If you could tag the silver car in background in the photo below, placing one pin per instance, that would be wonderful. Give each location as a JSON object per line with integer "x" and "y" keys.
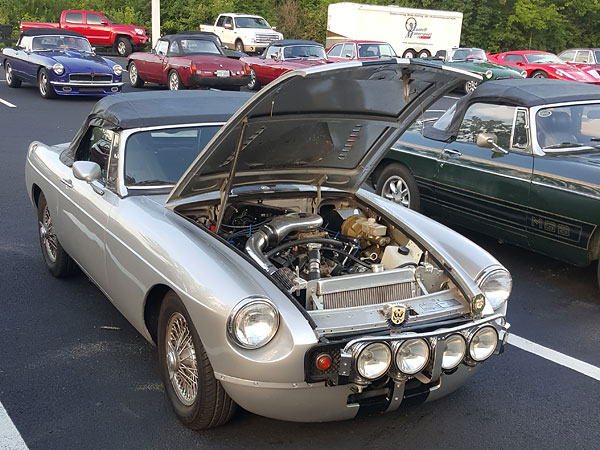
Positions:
{"x": 264, "y": 274}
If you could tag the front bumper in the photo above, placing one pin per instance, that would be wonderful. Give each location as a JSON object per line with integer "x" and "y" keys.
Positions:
{"x": 196, "y": 80}
{"x": 347, "y": 396}
{"x": 73, "y": 88}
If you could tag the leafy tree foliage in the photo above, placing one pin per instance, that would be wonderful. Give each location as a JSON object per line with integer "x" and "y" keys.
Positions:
{"x": 495, "y": 25}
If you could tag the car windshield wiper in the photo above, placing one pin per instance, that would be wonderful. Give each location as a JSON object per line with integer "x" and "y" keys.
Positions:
{"x": 595, "y": 139}
{"x": 563, "y": 145}
{"x": 151, "y": 183}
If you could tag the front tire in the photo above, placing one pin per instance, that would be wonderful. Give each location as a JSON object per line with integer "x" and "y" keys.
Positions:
{"x": 57, "y": 260}
{"x": 470, "y": 86}
{"x": 134, "y": 77}
{"x": 46, "y": 89}
{"x": 539, "y": 74}
{"x": 11, "y": 79}
{"x": 253, "y": 84}
{"x": 196, "y": 396}
{"x": 123, "y": 46}
{"x": 396, "y": 183}
{"x": 175, "y": 83}
{"x": 239, "y": 46}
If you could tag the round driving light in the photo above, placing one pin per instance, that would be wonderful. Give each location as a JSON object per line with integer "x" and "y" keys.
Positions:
{"x": 323, "y": 361}
{"x": 412, "y": 356}
{"x": 483, "y": 344}
{"x": 455, "y": 348}
{"x": 496, "y": 286}
{"x": 58, "y": 68}
{"x": 253, "y": 323}
{"x": 118, "y": 70}
{"x": 489, "y": 74}
{"x": 374, "y": 360}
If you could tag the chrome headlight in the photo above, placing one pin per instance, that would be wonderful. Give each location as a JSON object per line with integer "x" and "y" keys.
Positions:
{"x": 139, "y": 31}
{"x": 374, "y": 360}
{"x": 496, "y": 286}
{"x": 455, "y": 348}
{"x": 412, "y": 356}
{"x": 489, "y": 74}
{"x": 253, "y": 322}
{"x": 118, "y": 70}
{"x": 58, "y": 68}
{"x": 483, "y": 343}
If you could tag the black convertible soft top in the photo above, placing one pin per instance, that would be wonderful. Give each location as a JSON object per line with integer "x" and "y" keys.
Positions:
{"x": 526, "y": 92}
{"x": 286, "y": 42}
{"x": 158, "y": 108}
{"x": 50, "y": 32}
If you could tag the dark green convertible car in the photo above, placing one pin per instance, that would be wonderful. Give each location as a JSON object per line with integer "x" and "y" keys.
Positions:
{"x": 517, "y": 159}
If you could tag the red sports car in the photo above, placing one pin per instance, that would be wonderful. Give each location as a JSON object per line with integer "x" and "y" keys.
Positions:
{"x": 283, "y": 56}
{"x": 362, "y": 50}
{"x": 180, "y": 61}
{"x": 543, "y": 65}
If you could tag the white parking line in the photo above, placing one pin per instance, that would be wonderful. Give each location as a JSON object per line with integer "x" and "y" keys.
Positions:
{"x": 10, "y": 438}
{"x": 554, "y": 356}
{"x": 9, "y": 104}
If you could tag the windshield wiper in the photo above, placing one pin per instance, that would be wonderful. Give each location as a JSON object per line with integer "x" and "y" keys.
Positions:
{"x": 595, "y": 139}
{"x": 563, "y": 145}
{"x": 151, "y": 183}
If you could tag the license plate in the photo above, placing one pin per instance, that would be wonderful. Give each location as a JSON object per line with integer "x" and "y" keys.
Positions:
{"x": 222, "y": 73}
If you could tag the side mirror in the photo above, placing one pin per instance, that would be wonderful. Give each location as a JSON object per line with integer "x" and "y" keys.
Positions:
{"x": 104, "y": 22}
{"x": 94, "y": 49}
{"x": 519, "y": 63}
{"x": 228, "y": 26}
{"x": 274, "y": 56}
{"x": 489, "y": 140}
{"x": 89, "y": 172}
{"x": 274, "y": 28}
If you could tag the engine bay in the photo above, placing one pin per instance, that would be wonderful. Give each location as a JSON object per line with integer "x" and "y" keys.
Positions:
{"x": 328, "y": 254}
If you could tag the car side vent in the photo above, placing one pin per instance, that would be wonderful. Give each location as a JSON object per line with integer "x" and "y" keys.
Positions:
{"x": 350, "y": 142}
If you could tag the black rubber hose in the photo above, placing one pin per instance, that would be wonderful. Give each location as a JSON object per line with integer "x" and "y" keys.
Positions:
{"x": 289, "y": 244}
{"x": 353, "y": 258}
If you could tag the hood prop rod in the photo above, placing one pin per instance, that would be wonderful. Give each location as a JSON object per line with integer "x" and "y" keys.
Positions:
{"x": 225, "y": 192}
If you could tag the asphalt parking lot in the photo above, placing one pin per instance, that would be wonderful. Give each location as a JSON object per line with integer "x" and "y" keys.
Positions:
{"x": 74, "y": 374}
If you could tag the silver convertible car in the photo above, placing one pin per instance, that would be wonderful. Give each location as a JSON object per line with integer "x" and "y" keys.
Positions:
{"x": 240, "y": 242}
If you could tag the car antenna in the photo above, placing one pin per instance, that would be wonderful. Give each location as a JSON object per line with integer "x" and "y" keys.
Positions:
{"x": 229, "y": 180}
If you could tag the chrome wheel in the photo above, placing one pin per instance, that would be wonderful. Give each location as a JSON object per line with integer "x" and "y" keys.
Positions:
{"x": 121, "y": 48}
{"x": 48, "y": 236}
{"x": 9, "y": 75}
{"x": 396, "y": 189}
{"x": 470, "y": 86}
{"x": 174, "y": 83}
{"x": 181, "y": 359}
{"x": 539, "y": 74}
{"x": 252, "y": 82}
{"x": 43, "y": 84}
{"x": 133, "y": 74}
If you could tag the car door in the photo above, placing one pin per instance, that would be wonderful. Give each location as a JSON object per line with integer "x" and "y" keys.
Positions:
{"x": 227, "y": 32}
{"x": 86, "y": 209}
{"x": 153, "y": 65}
{"x": 487, "y": 189}
{"x": 19, "y": 61}
{"x": 98, "y": 30}
{"x": 74, "y": 22}
{"x": 270, "y": 66}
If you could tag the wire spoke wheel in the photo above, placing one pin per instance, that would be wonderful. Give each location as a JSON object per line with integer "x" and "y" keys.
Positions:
{"x": 48, "y": 236}
{"x": 181, "y": 359}
{"x": 470, "y": 86}
{"x": 396, "y": 189}
{"x": 133, "y": 74}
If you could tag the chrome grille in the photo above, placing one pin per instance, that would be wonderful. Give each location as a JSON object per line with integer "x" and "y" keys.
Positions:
{"x": 371, "y": 295}
{"x": 91, "y": 77}
{"x": 265, "y": 38}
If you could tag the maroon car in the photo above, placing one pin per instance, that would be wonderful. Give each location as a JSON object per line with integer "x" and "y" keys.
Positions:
{"x": 181, "y": 61}
{"x": 283, "y": 56}
{"x": 361, "y": 50}
{"x": 582, "y": 57}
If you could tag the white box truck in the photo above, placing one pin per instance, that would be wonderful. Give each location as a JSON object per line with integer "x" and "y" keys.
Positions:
{"x": 412, "y": 32}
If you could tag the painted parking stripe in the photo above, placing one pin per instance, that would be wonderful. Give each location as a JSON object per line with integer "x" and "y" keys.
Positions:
{"x": 556, "y": 357}
{"x": 9, "y": 104}
{"x": 10, "y": 438}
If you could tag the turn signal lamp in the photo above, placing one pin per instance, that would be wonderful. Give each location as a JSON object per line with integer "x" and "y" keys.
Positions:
{"x": 323, "y": 361}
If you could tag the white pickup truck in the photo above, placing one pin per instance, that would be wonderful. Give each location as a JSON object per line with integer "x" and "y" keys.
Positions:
{"x": 243, "y": 32}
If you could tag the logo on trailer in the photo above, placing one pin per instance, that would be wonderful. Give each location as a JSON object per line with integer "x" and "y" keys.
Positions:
{"x": 411, "y": 26}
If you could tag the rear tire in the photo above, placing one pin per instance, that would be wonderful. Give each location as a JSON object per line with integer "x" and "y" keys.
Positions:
{"x": 397, "y": 184}
{"x": 44, "y": 86}
{"x": 200, "y": 405}
{"x": 11, "y": 79}
{"x": 57, "y": 260}
{"x": 134, "y": 77}
{"x": 253, "y": 84}
{"x": 538, "y": 74}
{"x": 123, "y": 46}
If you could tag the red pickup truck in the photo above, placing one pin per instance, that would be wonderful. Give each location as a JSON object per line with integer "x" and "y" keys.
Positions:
{"x": 100, "y": 30}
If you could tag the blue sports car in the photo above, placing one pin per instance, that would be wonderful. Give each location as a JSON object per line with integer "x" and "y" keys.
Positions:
{"x": 61, "y": 62}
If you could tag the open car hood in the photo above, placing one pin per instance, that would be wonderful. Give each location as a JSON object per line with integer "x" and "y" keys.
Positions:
{"x": 328, "y": 125}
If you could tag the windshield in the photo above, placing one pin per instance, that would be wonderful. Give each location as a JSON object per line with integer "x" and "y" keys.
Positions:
{"x": 251, "y": 22}
{"x": 467, "y": 54}
{"x": 575, "y": 127}
{"x": 197, "y": 46}
{"x": 304, "y": 51}
{"x": 160, "y": 157}
{"x": 597, "y": 53}
{"x": 111, "y": 20}
{"x": 60, "y": 43}
{"x": 543, "y": 58}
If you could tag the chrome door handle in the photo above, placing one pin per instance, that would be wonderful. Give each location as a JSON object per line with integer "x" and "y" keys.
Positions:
{"x": 451, "y": 151}
{"x": 68, "y": 183}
